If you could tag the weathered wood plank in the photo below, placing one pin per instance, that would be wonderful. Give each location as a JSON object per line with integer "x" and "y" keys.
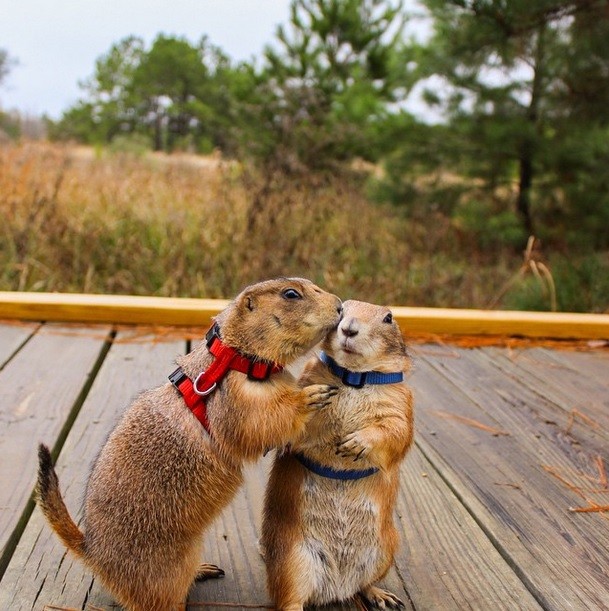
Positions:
{"x": 485, "y": 498}
{"x": 132, "y": 309}
{"x": 12, "y": 336}
{"x": 39, "y": 389}
{"x": 522, "y": 508}
{"x": 232, "y": 543}
{"x": 593, "y": 365}
{"x": 117, "y": 309}
{"x": 431, "y": 518}
{"x": 446, "y": 561}
{"x": 579, "y": 403}
{"x": 40, "y": 571}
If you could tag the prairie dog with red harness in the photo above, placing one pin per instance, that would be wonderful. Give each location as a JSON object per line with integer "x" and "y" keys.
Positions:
{"x": 328, "y": 532}
{"x": 174, "y": 460}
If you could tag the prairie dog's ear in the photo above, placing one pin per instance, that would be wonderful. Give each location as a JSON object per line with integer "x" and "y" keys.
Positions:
{"x": 246, "y": 303}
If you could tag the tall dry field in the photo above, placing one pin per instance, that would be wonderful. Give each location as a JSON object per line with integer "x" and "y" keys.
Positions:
{"x": 75, "y": 221}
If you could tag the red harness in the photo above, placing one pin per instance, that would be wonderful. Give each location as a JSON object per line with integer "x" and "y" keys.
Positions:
{"x": 227, "y": 358}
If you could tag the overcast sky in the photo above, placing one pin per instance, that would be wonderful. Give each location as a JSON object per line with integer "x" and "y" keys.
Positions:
{"x": 56, "y": 42}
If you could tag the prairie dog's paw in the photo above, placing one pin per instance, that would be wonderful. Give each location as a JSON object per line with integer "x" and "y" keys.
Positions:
{"x": 319, "y": 395}
{"x": 208, "y": 571}
{"x": 355, "y": 444}
{"x": 377, "y": 598}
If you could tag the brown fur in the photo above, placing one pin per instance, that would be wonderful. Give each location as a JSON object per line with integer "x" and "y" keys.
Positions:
{"x": 326, "y": 540}
{"x": 160, "y": 479}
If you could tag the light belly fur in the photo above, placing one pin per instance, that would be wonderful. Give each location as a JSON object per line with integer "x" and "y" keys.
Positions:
{"x": 340, "y": 543}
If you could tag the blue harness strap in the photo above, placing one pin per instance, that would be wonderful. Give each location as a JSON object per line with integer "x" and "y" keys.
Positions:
{"x": 357, "y": 379}
{"x": 329, "y": 472}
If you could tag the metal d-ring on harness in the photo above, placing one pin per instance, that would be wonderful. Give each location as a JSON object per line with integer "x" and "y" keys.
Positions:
{"x": 203, "y": 393}
{"x": 226, "y": 358}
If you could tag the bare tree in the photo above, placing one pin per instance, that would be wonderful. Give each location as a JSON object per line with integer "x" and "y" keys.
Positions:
{"x": 6, "y": 63}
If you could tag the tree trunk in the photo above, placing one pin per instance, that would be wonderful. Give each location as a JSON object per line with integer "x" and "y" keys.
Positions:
{"x": 158, "y": 133}
{"x": 523, "y": 204}
{"x": 529, "y": 144}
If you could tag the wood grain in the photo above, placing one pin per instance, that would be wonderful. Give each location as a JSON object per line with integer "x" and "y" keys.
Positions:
{"x": 483, "y": 509}
{"x": 12, "y": 337}
{"x": 232, "y": 543}
{"x": 123, "y": 309}
{"x": 40, "y": 571}
{"x": 39, "y": 389}
{"x": 589, "y": 365}
{"x": 501, "y": 479}
{"x": 194, "y": 312}
{"x": 572, "y": 402}
{"x": 446, "y": 561}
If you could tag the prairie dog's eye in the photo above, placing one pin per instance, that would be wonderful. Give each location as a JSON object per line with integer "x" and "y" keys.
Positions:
{"x": 291, "y": 294}
{"x": 388, "y": 318}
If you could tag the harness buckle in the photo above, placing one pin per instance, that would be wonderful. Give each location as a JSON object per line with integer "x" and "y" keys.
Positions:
{"x": 207, "y": 391}
{"x": 212, "y": 334}
{"x": 177, "y": 377}
{"x": 362, "y": 378}
{"x": 250, "y": 372}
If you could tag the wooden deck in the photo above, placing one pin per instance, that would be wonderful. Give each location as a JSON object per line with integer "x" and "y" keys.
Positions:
{"x": 508, "y": 440}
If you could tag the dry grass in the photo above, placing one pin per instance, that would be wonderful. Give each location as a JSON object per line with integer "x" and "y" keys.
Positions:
{"x": 80, "y": 222}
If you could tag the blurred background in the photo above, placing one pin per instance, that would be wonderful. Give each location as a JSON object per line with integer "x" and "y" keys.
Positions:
{"x": 430, "y": 153}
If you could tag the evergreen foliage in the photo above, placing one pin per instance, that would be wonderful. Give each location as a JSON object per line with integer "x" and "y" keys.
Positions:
{"x": 522, "y": 89}
{"x": 9, "y": 127}
{"x": 524, "y": 93}
{"x": 178, "y": 95}
{"x": 331, "y": 79}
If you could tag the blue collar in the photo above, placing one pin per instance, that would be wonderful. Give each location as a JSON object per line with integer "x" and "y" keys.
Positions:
{"x": 331, "y": 473}
{"x": 358, "y": 378}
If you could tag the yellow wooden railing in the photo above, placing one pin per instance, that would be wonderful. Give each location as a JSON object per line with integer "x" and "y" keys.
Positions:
{"x": 124, "y": 309}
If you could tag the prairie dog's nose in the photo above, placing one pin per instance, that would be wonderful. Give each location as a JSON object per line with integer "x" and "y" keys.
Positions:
{"x": 349, "y": 327}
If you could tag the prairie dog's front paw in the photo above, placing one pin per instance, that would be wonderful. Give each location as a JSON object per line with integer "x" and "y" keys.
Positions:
{"x": 355, "y": 444}
{"x": 319, "y": 395}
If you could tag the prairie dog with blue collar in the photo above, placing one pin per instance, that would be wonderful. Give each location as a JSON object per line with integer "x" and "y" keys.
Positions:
{"x": 328, "y": 530}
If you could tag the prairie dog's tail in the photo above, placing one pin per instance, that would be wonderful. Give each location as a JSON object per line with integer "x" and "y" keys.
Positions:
{"x": 52, "y": 505}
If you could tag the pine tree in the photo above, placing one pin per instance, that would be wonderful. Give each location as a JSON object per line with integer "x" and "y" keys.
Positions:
{"x": 522, "y": 78}
{"x": 333, "y": 73}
